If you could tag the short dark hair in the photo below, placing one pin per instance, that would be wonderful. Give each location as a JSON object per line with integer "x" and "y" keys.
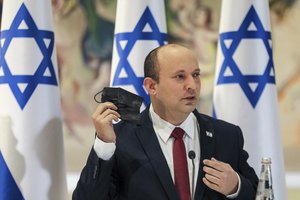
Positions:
{"x": 151, "y": 66}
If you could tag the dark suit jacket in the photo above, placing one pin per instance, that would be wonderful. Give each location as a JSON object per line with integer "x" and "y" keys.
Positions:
{"x": 138, "y": 169}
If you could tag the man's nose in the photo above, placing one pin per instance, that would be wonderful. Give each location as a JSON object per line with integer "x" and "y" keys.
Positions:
{"x": 191, "y": 83}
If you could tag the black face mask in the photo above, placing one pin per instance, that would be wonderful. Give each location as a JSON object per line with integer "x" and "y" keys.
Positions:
{"x": 128, "y": 103}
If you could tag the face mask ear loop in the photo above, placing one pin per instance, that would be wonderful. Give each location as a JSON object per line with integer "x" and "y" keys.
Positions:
{"x": 95, "y": 96}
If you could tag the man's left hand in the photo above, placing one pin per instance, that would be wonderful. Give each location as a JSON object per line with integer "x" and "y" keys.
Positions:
{"x": 220, "y": 177}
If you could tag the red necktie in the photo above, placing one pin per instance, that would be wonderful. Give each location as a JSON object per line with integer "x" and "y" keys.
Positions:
{"x": 180, "y": 165}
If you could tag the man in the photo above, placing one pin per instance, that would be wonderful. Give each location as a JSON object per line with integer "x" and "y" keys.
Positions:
{"x": 139, "y": 161}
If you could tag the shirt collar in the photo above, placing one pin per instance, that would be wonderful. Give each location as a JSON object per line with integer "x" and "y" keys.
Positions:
{"x": 164, "y": 128}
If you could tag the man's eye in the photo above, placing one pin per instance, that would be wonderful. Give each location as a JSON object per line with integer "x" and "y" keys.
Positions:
{"x": 197, "y": 74}
{"x": 180, "y": 76}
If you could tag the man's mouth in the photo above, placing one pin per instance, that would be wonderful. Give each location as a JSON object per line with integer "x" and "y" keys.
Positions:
{"x": 190, "y": 98}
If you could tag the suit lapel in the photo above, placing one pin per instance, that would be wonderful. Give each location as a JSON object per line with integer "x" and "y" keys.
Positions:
{"x": 150, "y": 143}
{"x": 207, "y": 146}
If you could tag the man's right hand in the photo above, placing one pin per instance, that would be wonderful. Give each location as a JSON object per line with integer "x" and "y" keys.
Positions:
{"x": 102, "y": 119}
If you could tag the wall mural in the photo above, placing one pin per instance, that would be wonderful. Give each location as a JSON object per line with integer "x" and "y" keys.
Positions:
{"x": 84, "y": 37}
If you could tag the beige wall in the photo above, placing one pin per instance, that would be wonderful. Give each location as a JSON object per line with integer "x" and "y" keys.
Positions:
{"x": 81, "y": 80}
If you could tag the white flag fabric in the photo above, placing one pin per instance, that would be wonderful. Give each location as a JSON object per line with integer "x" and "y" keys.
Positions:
{"x": 31, "y": 142}
{"x": 140, "y": 27}
{"x": 245, "y": 92}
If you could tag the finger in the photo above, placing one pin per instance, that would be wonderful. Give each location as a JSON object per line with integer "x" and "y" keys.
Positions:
{"x": 212, "y": 171}
{"x": 218, "y": 165}
{"x": 111, "y": 117}
{"x": 213, "y": 179}
{"x": 109, "y": 112}
{"x": 210, "y": 184}
{"x": 104, "y": 106}
{"x": 100, "y": 121}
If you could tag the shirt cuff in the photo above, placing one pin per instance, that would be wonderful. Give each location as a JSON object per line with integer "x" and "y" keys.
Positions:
{"x": 104, "y": 150}
{"x": 234, "y": 195}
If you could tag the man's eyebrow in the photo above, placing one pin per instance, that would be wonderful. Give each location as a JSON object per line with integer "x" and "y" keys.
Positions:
{"x": 178, "y": 71}
{"x": 197, "y": 70}
{"x": 183, "y": 71}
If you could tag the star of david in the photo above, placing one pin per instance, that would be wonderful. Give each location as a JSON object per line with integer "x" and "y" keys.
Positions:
{"x": 40, "y": 37}
{"x": 245, "y": 80}
{"x": 132, "y": 38}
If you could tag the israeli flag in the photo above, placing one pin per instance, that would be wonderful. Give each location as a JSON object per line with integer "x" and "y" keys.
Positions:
{"x": 245, "y": 89}
{"x": 31, "y": 142}
{"x": 140, "y": 27}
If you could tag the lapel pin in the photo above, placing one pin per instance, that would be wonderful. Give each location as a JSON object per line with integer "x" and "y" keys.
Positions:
{"x": 209, "y": 134}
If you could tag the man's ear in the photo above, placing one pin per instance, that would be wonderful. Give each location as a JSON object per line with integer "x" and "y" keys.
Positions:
{"x": 150, "y": 85}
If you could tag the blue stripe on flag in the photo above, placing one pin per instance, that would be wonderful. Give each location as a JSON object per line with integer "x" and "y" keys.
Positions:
{"x": 8, "y": 187}
{"x": 214, "y": 114}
